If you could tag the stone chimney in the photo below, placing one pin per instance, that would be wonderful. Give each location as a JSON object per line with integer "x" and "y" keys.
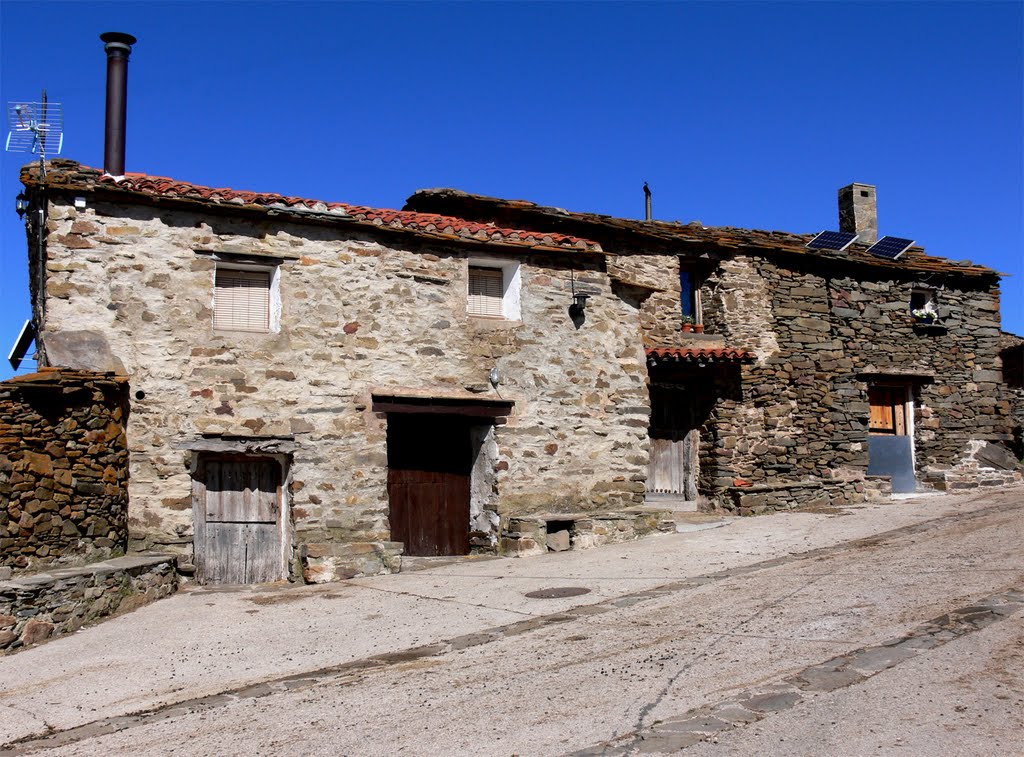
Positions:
{"x": 858, "y": 211}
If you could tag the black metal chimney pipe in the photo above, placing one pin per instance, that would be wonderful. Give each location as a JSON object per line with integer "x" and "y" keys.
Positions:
{"x": 118, "y": 47}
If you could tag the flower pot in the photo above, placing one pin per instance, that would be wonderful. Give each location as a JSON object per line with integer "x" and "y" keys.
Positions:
{"x": 687, "y": 328}
{"x": 698, "y": 328}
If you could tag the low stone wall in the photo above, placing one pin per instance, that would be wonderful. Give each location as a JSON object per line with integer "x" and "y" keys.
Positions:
{"x": 554, "y": 532}
{"x": 791, "y": 495}
{"x": 47, "y": 605}
{"x": 982, "y": 464}
{"x": 63, "y": 468}
{"x": 332, "y": 561}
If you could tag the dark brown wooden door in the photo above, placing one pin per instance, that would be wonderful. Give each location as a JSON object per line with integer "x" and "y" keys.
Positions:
{"x": 239, "y": 538}
{"x": 429, "y": 462}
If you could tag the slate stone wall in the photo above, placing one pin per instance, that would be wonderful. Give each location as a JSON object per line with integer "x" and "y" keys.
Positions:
{"x": 47, "y": 605}
{"x": 820, "y": 333}
{"x": 63, "y": 468}
{"x": 1011, "y": 353}
{"x": 361, "y": 313}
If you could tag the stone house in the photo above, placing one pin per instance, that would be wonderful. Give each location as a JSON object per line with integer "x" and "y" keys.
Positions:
{"x": 867, "y": 369}
{"x": 318, "y": 388}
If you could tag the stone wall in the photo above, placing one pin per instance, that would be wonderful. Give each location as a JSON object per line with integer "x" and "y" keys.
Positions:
{"x": 361, "y": 313}
{"x": 1011, "y": 353}
{"x": 837, "y": 330}
{"x": 63, "y": 468}
{"x": 821, "y": 334}
{"x": 47, "y": 605}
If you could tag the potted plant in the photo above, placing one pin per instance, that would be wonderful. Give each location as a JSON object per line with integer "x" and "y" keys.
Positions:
{"x": 687, "y": 324}
{"x": 924, "y": 315}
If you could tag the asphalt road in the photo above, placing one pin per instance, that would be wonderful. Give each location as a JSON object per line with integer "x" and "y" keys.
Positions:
{"x": 884, "y": 629}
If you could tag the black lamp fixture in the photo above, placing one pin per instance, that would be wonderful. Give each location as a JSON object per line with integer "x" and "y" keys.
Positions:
{"x": 579, "y": 304}
{"x": 579, "y": 299}
{"x": 21, "y": 204}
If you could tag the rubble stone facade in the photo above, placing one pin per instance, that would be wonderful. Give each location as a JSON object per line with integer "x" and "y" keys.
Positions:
{"x": 368, "y": 314}
{"x": 363, "y": 314}
{"x": 792, "y": 428}
{"x": 63, "y": 468}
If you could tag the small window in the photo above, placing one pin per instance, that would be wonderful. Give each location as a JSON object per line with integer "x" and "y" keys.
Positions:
{"x": 924, "y": 305}
{"x": 485, "y": 291}
{"x": 493, "y": 289}
{"x": 242, "y": 299}
{"x": 689, "y": 296}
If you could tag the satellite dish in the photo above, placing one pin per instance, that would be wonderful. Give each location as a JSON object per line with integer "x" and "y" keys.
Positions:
{"x": 35, "y": 127}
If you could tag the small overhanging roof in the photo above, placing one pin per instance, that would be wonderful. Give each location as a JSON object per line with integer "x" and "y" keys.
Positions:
{"x": 71, "y": 176}
{"x": 403, "y": 401}
{"x": 699, "y": 356}
{"x": 620, "y": 235}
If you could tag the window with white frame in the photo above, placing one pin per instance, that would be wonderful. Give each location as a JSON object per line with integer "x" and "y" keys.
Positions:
{"x": 493, "y": 289}
{"x": 246, "y": 298}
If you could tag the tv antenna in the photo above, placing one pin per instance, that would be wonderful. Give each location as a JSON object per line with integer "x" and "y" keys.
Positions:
{"x": 36, "y": 127}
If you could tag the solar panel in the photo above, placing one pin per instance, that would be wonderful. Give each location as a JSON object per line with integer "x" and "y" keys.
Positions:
{"x": 833, "y": 240}
{"x": 890, "y": 247}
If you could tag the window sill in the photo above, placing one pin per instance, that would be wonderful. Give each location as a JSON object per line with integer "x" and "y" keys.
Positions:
{"x": 492, "y": 322}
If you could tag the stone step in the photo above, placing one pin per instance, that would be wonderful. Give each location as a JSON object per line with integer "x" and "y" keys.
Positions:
{"x": 673, "y": 502}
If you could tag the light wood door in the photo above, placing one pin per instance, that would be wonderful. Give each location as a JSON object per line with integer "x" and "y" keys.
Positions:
{"x": 239, "y": 531}
{"x": 674, "y": 444}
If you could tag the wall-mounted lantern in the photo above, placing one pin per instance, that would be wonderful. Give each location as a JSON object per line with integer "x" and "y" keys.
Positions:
{"x": 21, "y": 205}
{"x": 579, "y": 304}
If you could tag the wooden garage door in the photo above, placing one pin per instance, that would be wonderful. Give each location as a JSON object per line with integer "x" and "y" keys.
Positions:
{"x": 240, "y": 534}
{"x": 429, "y": 463}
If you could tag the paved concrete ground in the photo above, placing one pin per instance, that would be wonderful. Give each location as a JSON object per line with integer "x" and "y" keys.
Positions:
{"x": 890, "y": 628}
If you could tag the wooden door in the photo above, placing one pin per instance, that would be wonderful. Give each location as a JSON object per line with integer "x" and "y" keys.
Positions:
{"x": 239, "y": 530}
{"x": 888, "y": 409}
{"x": 429, "y": 463}
{"x": 674, "y": 444}
{"x": 890, "y": 443}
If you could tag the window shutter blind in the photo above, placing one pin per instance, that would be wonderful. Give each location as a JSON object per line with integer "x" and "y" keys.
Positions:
{"x": 485, "y": 291}
{"x": 241, "y": 300}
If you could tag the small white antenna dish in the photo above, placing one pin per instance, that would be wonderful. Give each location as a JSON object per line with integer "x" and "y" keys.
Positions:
{"x": 36, "y": 127}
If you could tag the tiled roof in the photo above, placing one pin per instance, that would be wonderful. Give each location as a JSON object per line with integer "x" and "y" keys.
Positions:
{"x": 697, "y": 355}
{"x": 72, "y": 175}
{"x": 619, "y": 234}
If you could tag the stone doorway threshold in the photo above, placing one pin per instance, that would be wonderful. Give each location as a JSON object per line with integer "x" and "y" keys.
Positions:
{"x": 674, "y": 502}
{"x": 411, "y": 563}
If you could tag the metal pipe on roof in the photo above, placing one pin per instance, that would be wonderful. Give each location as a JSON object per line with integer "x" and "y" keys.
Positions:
{"x": 118, "y": 47}
{"x": 647, "y": 202}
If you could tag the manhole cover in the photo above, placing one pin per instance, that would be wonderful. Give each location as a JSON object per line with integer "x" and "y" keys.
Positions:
{"x": 558, "y": 592}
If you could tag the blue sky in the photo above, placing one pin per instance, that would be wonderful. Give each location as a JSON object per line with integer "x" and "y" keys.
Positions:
{"x": 740, "y": 114}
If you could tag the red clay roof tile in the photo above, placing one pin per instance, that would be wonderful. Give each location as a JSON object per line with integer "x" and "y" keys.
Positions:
{"x": 669, "y": 355}
{"x": 70, "y": 174}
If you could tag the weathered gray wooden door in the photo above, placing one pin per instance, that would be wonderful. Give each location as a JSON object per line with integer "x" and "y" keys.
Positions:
{"x": 674, "y": 444}
{"x": 239, "y": 529}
